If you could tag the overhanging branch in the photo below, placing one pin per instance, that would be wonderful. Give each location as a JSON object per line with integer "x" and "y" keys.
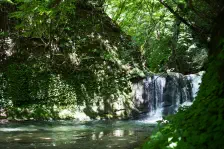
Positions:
{"x": 201, "y": 33}
{"x": 178, "y": 16}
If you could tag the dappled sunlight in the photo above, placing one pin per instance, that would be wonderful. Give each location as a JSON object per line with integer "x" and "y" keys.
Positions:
{"x": 16, "y": 129}
{"x": 45, "y": 138}
{"x": 101, "y": 74}
{"x": 118, "y": 133}
{"x": 74, "y": 58}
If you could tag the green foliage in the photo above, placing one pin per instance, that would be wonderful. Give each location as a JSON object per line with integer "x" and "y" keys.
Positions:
{"x": 158, "y": 55}
{"x": 6, "y": 1}
{"x": 41, "y": 19}
{"x": 148, "y": 23}
{"x": 33, "y": 84}
{"x": 63, "y": 56}
{"x": 201, "y": 125}
{"x": 152, "y": 27}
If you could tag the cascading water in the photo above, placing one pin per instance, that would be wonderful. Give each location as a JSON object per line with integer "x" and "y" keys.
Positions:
{"x": 195, "y": 80}
{"x": 161, "y": 95}
{"x": 155, "y": 86}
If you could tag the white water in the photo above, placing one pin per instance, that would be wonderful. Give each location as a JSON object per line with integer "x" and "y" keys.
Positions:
{"x": 156, "y": 113}
{"x": 157, "y": 88}
{"x": 195, "y": 82}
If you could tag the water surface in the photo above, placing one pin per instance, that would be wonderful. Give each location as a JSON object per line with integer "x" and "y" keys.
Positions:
{"x": 74, "y": 134}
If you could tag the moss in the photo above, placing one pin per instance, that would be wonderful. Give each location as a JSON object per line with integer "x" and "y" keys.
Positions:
{"x": 202, "y": 124}
{"x": 90, "y": 61}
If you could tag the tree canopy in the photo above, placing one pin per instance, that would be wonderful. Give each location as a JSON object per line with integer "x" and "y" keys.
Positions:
{"x": 82, "y": 55}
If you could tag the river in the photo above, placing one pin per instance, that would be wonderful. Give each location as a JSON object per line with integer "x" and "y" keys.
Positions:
{"x": 74, "y": 134}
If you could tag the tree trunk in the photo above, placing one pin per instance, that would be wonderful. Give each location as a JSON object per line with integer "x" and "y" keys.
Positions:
{"x": 174, "y": 42}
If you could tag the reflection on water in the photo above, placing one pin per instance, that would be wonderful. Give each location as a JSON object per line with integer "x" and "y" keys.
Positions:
{"x": 74, "y": 135}
{"x": 118, "y": 133}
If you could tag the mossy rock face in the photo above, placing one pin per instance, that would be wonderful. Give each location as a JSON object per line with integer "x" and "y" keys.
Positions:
{"x": 90, "y": 62}
{"x": 89, "y": 112}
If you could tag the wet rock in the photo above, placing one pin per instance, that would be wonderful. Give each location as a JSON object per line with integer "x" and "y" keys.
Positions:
{"x": 163, "y": 94}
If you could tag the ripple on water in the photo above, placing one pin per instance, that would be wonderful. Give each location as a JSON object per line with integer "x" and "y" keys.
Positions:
{"x": 73, "y": 134}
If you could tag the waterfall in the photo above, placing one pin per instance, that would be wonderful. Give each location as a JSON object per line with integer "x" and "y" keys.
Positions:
{"x": 195, "y": 80}
{"x": 161, "y": 95}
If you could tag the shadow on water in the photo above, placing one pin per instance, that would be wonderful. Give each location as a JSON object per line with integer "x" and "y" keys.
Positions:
{"x": 73, "y": 134}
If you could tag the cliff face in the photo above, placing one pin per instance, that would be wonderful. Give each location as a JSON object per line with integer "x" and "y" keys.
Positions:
{"x": 86, "y": 67}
